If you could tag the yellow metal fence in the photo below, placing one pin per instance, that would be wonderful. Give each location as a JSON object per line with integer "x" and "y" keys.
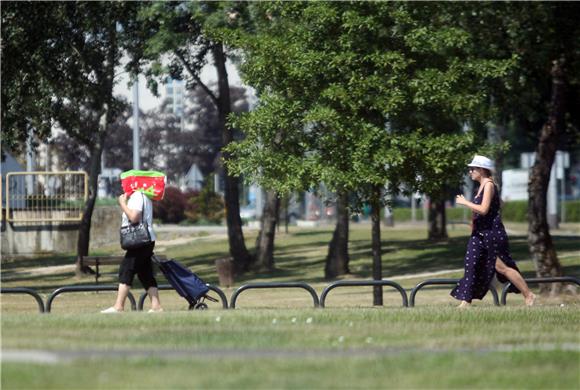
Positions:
{"x": 45, "y": 196}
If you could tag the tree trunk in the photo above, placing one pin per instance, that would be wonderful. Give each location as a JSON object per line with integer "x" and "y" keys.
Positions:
{"x": 539, "y": 238}
{"x": 96, "y": 148}
{"x": 437, "y": 220}
{"x": 83, "y": 241}
{"x": 265, "y": 240}
{"x": 337, "y": 258}
{"x": 238, "y": 251}
{"x": 376, "y": 246}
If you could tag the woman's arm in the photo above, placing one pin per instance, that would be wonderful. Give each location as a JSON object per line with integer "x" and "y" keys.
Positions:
{"x": 482, "y": 208}
{"x": 133, "y": 215}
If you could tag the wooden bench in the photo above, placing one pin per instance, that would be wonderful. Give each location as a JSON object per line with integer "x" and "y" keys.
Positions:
{"x": 104, "y": 260}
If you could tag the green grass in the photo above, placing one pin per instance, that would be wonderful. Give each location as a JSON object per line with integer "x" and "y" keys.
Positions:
{"x": 440, "y": 347}
{"x": 300, "y": 255}
{"x": 441, "y": 327}
{"x": 515, "y": 370}
{"x": 275, "y": 339}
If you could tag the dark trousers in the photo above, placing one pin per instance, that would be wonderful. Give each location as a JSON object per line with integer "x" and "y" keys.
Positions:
{"x": 138, "y": 262}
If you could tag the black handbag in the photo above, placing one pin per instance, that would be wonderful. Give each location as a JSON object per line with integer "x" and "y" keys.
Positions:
{"x": 136, "y": 235}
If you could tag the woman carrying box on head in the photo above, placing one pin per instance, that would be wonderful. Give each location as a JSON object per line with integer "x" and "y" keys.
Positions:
{"x": 137, "y": 208}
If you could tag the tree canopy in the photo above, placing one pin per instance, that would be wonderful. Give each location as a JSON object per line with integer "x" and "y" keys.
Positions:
{"x": 337, "y": 82}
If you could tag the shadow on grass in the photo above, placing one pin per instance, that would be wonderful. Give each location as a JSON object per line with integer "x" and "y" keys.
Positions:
{"x": 39, "y": 261}
{"x": 296, "y": 259}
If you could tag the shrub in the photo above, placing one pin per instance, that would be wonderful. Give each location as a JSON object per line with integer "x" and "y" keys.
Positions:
{"x": 515, "y": 211}
{"x": 572, "y": 210}
{"x": 171, "y": 208}
{"x": 192, "y": 214}
{"x": 205, "y": 206}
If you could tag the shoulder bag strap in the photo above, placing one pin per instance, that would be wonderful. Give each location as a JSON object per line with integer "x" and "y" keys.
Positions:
{"x": 143, "y": 213}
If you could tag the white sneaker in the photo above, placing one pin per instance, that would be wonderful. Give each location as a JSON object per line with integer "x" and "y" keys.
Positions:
{"x": 110, "y": 310}
{"x": 155, "y": 311}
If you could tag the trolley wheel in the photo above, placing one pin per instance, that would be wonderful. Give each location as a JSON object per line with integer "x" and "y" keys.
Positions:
{"x": 200, "y": 306}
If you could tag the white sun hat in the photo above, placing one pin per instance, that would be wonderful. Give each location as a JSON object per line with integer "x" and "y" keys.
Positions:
{"x": 482, "y": 162}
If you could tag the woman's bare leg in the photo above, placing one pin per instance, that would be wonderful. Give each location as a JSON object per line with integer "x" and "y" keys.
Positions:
{"x": 517, "y": 280}
{"x": 122, "y": 294}
{"x": 154, "y": 295}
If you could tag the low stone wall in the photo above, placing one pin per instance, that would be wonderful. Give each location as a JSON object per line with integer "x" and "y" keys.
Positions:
{"x": 26, "y": 238}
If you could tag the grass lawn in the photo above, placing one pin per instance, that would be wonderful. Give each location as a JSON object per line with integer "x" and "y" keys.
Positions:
{"x": 485, "y": 347}
{"x": 275, "y": 339}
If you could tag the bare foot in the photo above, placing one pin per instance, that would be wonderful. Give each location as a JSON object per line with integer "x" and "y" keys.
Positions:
{"x": 464, "y": 305}
{"x": 530, "y": 299}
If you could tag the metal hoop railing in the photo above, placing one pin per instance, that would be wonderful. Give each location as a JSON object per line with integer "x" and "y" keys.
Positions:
{"x": 251, "y": 286}
{"x": 67, "y": 289}
{"x": 556, "y": 279}
{"x": 357, "y": 283}
{"x": 24, "y": 290}
{"x": 429, "y": 282}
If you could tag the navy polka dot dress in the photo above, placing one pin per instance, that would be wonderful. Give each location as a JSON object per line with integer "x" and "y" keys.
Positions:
{"x": 488, "y": 241}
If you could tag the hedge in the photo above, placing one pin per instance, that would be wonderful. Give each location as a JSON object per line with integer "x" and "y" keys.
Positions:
{"x": 514, "y": 211}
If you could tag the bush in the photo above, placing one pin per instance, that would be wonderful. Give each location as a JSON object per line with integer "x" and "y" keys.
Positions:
{"x": 517, "y": 211}
{"x": 205, "y": 206}
{"x": 452, "y": 214}
{"x": 514, "y": 211}
{"x": 572, "y": 210}
{"x": 171, "y": 208}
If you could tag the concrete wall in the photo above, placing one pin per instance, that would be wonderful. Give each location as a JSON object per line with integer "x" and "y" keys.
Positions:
{"x": 59, "y": 237}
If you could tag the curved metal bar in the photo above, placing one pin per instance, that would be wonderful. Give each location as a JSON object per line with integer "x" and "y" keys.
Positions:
{"x": 429, "y": 282}
{"x": 24, "y": 290}
{"x": 66, "y": 289}
{"x": 169, "y": 287}
{"x": 555, "y": 279}
{"x": 250, "y": 286}
{"x": 351, "y": 283}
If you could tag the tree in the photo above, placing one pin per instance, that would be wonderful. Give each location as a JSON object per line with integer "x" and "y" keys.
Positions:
{"x": 26, "y": 93}
{"x": 78, "y": 48}
{"x": 334, "y": 79}
{"x": 184, "y": 33}
{"x": 537, "y": 97}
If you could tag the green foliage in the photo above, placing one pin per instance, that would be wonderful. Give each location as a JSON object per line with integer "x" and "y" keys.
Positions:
{"x": 513, "y": 211}
{"x": 572, "y": 210}
{"x": 36, "y": 56}
{"x": 455, "y": 214}
{"x": 59, "y": 66}
{"x": 26, "y": 94}
{"x": 338, "y": 82}
{"x": 205, "y": 206}
{"x": 517, "y": 211}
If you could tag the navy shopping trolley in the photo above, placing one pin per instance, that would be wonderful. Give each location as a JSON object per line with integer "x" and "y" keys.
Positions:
{"x": 186, "y": 283}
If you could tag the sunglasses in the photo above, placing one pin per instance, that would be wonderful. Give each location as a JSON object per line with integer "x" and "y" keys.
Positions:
{"x": 472, "y": 169}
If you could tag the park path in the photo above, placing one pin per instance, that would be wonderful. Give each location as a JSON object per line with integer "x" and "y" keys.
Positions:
{"x": 63, "y": 356}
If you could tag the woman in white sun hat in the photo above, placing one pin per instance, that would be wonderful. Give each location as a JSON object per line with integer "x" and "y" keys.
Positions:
{"x": 488, "y": 248}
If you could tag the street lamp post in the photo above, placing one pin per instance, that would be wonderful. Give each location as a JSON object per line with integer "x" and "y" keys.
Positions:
{"x": 136, "y": 159}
